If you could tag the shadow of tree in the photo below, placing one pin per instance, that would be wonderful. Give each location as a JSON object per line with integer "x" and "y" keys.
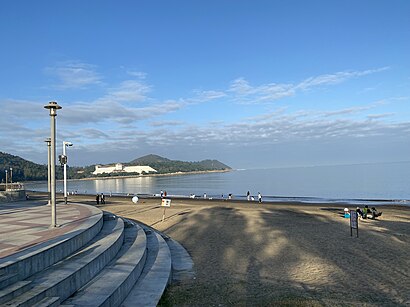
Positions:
{"x": 270, "y": 256}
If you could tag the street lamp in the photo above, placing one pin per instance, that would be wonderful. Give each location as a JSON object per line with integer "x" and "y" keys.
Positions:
{"x": 6, "y": 180}
{"x": 48, "y": 141}
{"x": 64, "y": 161}
{"x": 11, "y": 177}
{"x": 53, "y": 107}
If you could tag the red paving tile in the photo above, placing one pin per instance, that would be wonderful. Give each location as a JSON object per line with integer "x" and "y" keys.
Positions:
{"x": 35, "y": 217}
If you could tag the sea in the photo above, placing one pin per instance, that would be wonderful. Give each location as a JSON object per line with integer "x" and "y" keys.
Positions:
{"x": 379, "y": 183}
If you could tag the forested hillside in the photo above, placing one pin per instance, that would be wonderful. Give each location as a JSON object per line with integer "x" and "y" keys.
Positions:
{"x": 164, "y": 165}
{"x": 24, "y": 170}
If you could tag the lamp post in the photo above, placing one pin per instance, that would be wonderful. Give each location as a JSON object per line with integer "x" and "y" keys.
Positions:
{"x": 53, "y": 107}
{"x": 48, "y": 141}
{"x": 11, "y": 178}
{"x": 6, "y": 180}
{"x": 64, "y": 161}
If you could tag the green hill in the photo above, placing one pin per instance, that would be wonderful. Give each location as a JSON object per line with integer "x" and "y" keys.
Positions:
{"x": 148, "y": 160}
{"x": 164, "y": 165}
{"x": 24, "y": 170}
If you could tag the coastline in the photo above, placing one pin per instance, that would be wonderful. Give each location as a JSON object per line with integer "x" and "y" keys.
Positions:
{"x": 156, "y": 175}
{"x": 137, "y": 176}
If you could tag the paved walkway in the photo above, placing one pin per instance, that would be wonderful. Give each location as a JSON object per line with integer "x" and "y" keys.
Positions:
{"x": 27, "y": 223}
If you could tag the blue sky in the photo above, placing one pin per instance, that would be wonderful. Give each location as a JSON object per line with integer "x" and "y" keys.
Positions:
{"x": 250, "y": 83}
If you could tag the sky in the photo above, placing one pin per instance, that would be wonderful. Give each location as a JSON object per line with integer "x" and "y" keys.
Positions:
{"x": 254, "y": 84}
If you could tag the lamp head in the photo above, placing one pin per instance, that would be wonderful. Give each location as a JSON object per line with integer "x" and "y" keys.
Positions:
{"x": 52, "y": 105}
{"x": 68, "y": 144}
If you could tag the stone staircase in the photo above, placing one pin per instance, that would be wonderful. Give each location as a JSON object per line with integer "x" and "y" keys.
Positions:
{"x": 111, "y": 262}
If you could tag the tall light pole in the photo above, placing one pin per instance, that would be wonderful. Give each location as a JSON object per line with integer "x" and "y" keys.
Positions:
{"x": 64, "y": 161}
{"x": 53, "y": 107}
{"x": 6, "y": 180}
{"x": 11, "y": 177}
{"x": 48, "y": 141}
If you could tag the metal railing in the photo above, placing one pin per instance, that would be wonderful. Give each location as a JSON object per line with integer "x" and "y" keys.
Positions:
{"x": 15, "y": 186}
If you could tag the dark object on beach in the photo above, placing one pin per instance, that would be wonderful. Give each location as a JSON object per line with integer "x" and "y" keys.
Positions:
{"x": 375, "y": 213}
{"x": 97, "y": 199}
{"x": 359, "y": 212}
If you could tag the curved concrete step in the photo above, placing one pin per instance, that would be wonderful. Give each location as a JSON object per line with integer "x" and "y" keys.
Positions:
{"x": 64, "y": 278}
{"x": 182, "y": 264}
{"x": 111, "y": 286}
{"x": 181, "y": 261}
{"x": 38, "y": 257}
{"x": 155, "y": 276}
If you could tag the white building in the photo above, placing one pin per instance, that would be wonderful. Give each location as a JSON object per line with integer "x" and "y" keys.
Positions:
{"x": 119, "y": 168}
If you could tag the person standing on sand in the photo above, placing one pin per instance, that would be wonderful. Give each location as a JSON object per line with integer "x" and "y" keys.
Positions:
{"x": 102, "y": 198}
{"x": 259, "y": 197}
{"x": 97, "y": 199}
{"x": 248, "y": 196}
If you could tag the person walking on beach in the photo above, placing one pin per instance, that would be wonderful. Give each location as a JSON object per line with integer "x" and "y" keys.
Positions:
{"x": 248, "y": 196}
{"x": 102, "y": 198}
{"x": 97, "y": 199}
{"x": 259, "y": 197}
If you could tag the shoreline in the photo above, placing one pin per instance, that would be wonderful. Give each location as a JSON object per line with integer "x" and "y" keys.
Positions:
{"x": 157, "y": 175}
{"x": 237, "y": 201}
{"x": 136, "y": 176}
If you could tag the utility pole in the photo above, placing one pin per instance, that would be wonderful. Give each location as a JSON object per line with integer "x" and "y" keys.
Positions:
{"x": 64, "y": 162}
{"x": 48, "y": 141}
{"x": 53, "y": 107}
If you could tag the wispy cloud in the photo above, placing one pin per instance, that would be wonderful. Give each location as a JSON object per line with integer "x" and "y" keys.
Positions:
{"x": 164, "y": 123}
{"x": 74, "y": 75}
{"x": 242, "y": 91}
{"x": 128, "y": 91}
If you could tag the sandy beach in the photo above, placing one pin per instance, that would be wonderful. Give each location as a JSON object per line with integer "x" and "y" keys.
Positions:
{"x": 246, "y": 254}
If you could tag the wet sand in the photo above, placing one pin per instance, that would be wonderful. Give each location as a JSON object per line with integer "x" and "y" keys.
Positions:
{"x": 247, "y": 254}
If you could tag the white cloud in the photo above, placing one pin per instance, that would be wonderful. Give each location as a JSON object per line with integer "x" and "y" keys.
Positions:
{"x": 204, "y": 96}
{"x": 165, "y": 123}
{"x": 137, "y": 74}
{"x": 244, "y": 92}
{"x": 74, "y": 75}
{"x": 128, "y": 91}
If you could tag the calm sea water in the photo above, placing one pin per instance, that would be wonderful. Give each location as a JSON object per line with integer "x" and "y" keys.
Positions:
{"x": 389, "y": 181}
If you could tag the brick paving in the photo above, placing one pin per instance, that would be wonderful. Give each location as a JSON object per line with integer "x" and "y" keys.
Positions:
{"x": 27, "y": 223}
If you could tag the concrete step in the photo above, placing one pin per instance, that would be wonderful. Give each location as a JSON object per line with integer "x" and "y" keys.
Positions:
{"x": 155, "y": 275}
{"x": 182, "y": 264}
{"x": 14, "y": 290}
{"x": 40, "y": 256}
{"x": 113, "y": 283}
{"x": 66, "y": 277}
{"x": 8, "y": 279}
{"x": 49, "y": 302}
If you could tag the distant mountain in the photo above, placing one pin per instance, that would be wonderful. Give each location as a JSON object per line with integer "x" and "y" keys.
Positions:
{"x": 22, "y": 169}
{"x": 164, "y": 165}
{"x": 148, "y": 159}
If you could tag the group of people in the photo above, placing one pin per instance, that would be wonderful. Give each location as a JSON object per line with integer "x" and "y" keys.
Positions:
{"x": 249, "y": 197}
{"x": 368, "y": 213}
{"x": 100, "y": 198}
{"x": 163, "y": 194}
